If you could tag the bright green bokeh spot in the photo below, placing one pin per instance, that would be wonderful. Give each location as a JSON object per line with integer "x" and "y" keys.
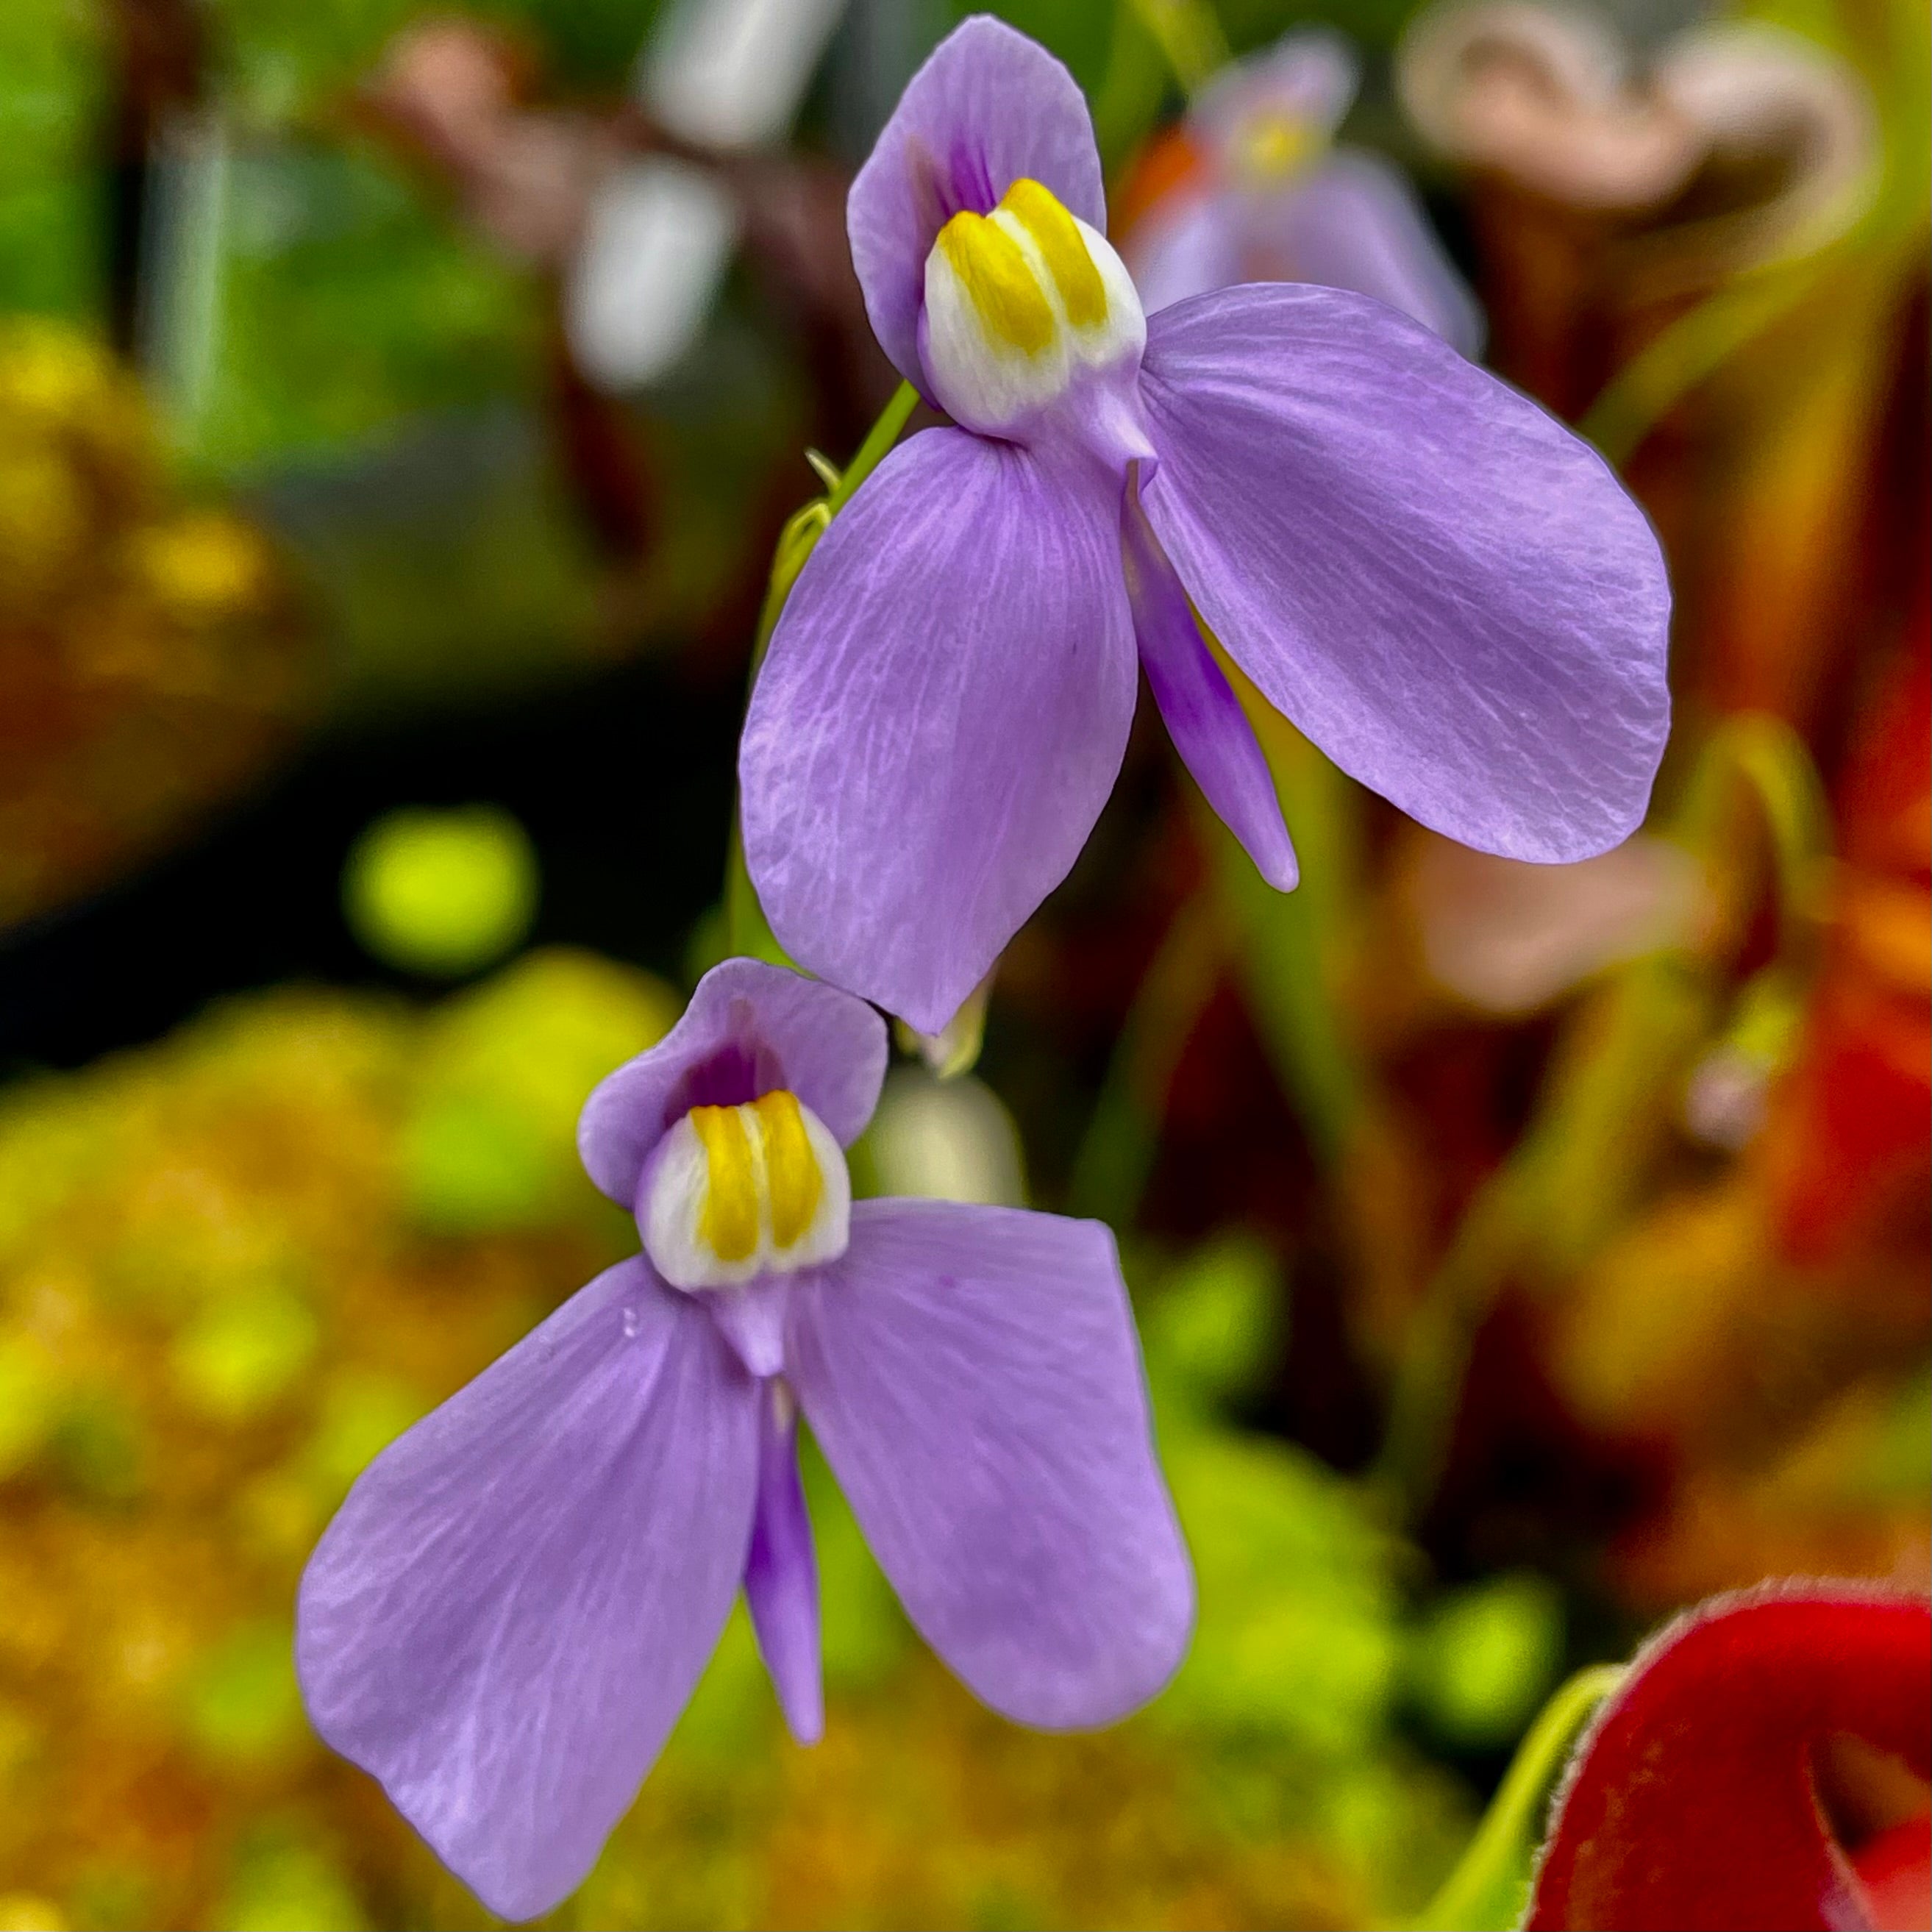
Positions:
{"x": 362, "y": 1413}
{"x": 1297, "y": 1644}
{"x": 441, "y": 892}
{"x": 29, "y": 1396}
{"x": 281, "y": 1885}
{"x": 1214, "y": 1325}
{"x": 98, "y": 1446}
{"x": 1485, "y": 1658}
{"x": 238, "y": 1356}
{"x": 243, "y": 1704}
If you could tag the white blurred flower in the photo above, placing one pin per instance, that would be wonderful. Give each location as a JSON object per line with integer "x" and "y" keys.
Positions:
{"x": 657, "y": 240}
{"x": 731, "y": 73}
{"x": 725, "y": 75}
{"x": 946, "y": 1140}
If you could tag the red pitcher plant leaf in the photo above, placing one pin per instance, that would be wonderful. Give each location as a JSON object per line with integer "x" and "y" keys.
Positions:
{"x": 1762, "y": 1766}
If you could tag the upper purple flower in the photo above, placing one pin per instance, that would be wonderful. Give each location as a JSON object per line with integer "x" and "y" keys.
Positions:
{"x": 1277, "y": 203}
{"x": 516, "y": 1599}
{"x": 1444, "y": 589}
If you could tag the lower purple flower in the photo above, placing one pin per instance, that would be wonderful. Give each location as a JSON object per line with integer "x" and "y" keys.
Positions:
{"x": 518, "y": 1597}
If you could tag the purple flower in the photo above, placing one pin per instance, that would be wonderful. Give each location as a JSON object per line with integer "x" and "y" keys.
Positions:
{"x": 1441, "y": 586}
{"x": 1275, "y": 203}
{"x": 511, "y": 1609}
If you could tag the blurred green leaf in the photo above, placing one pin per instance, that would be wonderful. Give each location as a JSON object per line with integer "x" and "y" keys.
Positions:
{"x": 238, "y": 1355}
{"x": 291, "y": 56}
{"x": 1213, "y": 1328}
{"x": 1129, "y": 95}
{"x": 347, "y": 304}
{"x": 281, "y": 1884}
{"x": 50, "y": 109}
{"x": 1297, "y": 1640}
{"x": 1483, "y": 1659}
{"x": 242, "y": 1703}
{"x": 1078, "y": 30}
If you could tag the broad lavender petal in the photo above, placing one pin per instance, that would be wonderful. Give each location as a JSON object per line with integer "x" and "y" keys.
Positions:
{"x": 940, "y": 717}
{"x": 1203, "y": 716}
{"x": 1354, "y": 222}
{"x": 782, "y": 1572}
{"x": 989, "y": 108}
{"x": 1444, "y": 588}
{"x": 506, "y": 1619}
{"x": 973, "y": 1377}
{"x": 1185, "y": 251}
{"x": 749, "y": 1028}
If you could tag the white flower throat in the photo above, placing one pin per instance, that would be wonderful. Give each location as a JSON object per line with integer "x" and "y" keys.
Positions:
{"x": 735, "y": 1193}
{"x": 1020, "y": 303}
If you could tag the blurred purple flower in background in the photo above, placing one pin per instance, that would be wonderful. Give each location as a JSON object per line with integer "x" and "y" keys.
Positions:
{"x": 517, "y": 1600}
{"x": 1273, "y": 202}
{"x": 1442, "y": 587}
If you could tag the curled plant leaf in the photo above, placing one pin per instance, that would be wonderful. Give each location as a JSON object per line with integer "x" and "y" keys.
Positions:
{"x": 1763, "y": 1765}
{"x": 1485, "y": 1891}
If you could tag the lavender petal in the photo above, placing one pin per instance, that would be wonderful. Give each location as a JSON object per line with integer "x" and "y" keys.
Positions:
{"x": 989, "y": 107}
{"x": 1186, "y": 249}
{"x": 940, "y": 717}
{"x": 1444, "y": 588}
{"x": 506, "y": 1617}
{"x": 1355, "y": 223}
{"x": 1310, "y": 76}
{"x": 973, "y": 1377}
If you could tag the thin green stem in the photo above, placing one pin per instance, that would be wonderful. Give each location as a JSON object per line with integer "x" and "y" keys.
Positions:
{"x": 1489, "y": 1887}
{"x": 1435, "y": 1359}
{"x": 1688, "y": 352}
{"x": 878, "y": 442}
{"x": 1189, "y": 34}
{"x": 1286, "y": 977}
{"x": 1762, "y": 756}
{"x": 1116, "y": 1154}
